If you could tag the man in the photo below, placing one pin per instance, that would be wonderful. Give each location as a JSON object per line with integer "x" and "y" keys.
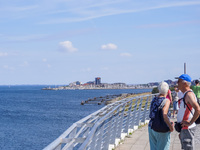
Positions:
{"x": 185, "y": 116}
{"x": 196, "y": 89}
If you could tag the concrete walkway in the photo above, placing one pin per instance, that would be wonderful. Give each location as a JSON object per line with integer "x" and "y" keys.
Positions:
{"x": 139, "y": 140}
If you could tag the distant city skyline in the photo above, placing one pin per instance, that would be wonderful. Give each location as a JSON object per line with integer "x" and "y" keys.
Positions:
{"x": 57, "y": 42}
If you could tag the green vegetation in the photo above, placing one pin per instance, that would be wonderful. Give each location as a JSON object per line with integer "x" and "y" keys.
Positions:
{"x": 171, "y": 88}
{"x": 155, "y": 90}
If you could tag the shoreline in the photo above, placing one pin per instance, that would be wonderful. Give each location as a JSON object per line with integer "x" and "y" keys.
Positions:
{"x": 93, "y": 88}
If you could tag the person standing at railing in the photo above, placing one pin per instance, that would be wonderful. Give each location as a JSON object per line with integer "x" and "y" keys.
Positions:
{"x": 160, "y": 126}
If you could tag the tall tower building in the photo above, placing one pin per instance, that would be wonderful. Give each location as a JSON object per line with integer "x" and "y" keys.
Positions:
{"x": 97, "y": 81}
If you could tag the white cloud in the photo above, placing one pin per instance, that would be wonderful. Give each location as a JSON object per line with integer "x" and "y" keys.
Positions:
{"x": 67, "y": 46}
{"x": 86, "y": 69}
{"x": 2, "y": 54}
{"x": 105, "y": 68}
{"x": 94, "y": 9}
{"x": 173, "y": 24}
{"x": 44, "y": 60}
{"x": 5, "y": 67}
{"x": 20, "y": 8}
{"x": 25, "y": 64}
{"x": 8, "y": 68}
{"x": 48, "y": 65}
{"x": 125, "y": 55}
{"x": 22, "y": 38}
{"x": 81, "y": 10}
{"x": 109, "y": 46}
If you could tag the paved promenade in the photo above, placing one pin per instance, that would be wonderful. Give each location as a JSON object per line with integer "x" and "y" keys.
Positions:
{"x": 139, "y": 140}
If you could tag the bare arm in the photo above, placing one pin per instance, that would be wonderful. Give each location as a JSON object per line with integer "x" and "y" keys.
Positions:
{"x": 190, "y": 99}
{"x": 166, "y": 119}
{"x": 170, "y": 96}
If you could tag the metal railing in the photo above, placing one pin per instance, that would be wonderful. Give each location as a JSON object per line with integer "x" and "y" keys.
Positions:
{"x": 104, "y": 129}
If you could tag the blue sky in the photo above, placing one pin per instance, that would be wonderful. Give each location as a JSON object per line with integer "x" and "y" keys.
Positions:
{"x": 130, "y": 41}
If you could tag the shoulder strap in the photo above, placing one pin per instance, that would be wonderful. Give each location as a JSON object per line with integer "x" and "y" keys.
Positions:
{"x": 163, "y": 103}
{"x": 185, "y": 102}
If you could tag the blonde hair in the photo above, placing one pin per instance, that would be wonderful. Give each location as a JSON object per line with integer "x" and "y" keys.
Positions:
{"x": 163, "y": 88}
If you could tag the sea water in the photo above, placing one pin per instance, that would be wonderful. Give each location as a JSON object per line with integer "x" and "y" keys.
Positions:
{"x": 31, "y": 118}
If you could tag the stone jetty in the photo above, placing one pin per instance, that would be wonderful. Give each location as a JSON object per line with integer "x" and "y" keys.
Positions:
{"x": 110, "y": 98}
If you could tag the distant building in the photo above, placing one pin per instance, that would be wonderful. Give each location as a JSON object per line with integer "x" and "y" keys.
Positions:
{"x": 120, "y": 84}
{"x": 90, "y": 83}
{"x": 97, "y": 81}
{"x": 78, "y": 83}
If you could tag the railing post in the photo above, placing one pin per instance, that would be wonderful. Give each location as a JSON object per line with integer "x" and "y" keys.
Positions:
{"x": 128, "y": 118}
{"x": 99, "y": 138}
{"x": 145, "y": 110}
{"x": 70, "y": 145}
{"x": 139, "y": 112}
{"x": 58, "y": 147}
{"x": 107, "y": 139}
{"x": 134, "y": 113}
{"x": 150, "y": 100}
{"x": 119, "y": 129}
{"x": 93, "y": 142}
{"x": 114, "y": 129}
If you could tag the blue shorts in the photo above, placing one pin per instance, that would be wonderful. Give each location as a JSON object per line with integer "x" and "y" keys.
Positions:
{"x": 175, "y": 105}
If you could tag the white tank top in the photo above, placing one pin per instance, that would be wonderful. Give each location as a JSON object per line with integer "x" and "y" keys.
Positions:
{"x": 184, "y": 113}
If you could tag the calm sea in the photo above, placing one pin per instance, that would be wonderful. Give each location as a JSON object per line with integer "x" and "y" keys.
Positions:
{"x": 32, "y": 118}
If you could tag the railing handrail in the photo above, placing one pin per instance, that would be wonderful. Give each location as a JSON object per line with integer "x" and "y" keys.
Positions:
{"x": 95, "y": 120}
{"x": 54, "y": 144}
{"x": 95, "y": 126}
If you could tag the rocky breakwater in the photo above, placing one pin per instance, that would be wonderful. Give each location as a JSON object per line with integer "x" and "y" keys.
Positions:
{"x": 108, "y": 99}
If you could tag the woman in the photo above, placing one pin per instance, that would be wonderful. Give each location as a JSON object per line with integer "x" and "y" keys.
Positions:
{"x": 175, "y": 101}
{"x": 169, "y": 96}
{"x": 160, "y": 140}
